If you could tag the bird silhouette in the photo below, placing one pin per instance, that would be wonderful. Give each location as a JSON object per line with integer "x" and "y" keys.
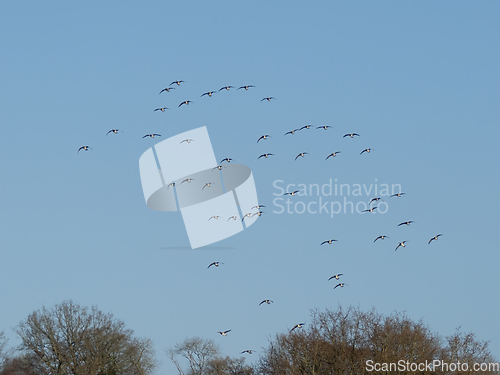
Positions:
{"x": 264, "y": 155}
{"x": 216, "y": 264}
{"x": 114, "y": 131}
{"x": 167, "y": 89}
{"x": 208, "y": 93}
{"x": 397, "y": 195}
{"x": 336, "y": 277}
{"x": 435, "y": 238}
{"x": 328, "y": 242}
{"x": 84, "y": 148}
{"x": 351, "y": 135}
{"x": 380, "y": 238}
{"x": 333, "y": 154}
{"x": 405, "y": 223}
{"x": 300, "y": 325}
{"x": 263, "y": 137}
{"x": 401, "y": 244}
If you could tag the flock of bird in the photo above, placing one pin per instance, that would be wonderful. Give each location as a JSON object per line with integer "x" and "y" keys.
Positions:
{"x": 303, "y": 154}
{"x": 184, "y": 102}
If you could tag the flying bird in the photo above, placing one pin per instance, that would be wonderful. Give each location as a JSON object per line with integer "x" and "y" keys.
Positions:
{"x": 333, "y": 154}
{"x": 208, "y": 184}
{"x": 300, "y": 325}
{"x": 245, "y": 87}
{"x": 301, "y": 155}
{"x": 216, "y": 217}
{"x": 380, "y": 238}
{"x": 152, "y": 135}
{"x": 114, "y": 131}
{"x": 187, "y": 140}
{"x": 341, "y": 285}
{"x": 336, "y": 277}
{"x": 209, "y": 93}
{"x": 435, "y": 238}
{"x": 224, "y": 333}
{"x": 351, "y": 135}
{"x": 258, "y": 213}
{"x": 226, "y": 88}
{"x": 292, "y": 131}
{"x": 161, "y": 109}
{"x": 232, "y": 217}
{"x": 268, "y": 99}
{"x": 329, "y": 242}
{"x": 306, "y": 127}
{"x": 258, "y": 206}
{"x": 178, "y": 83}
{"x": 185, "y": 102}
{"x": 368, "y": 150}
{"x": 325, "y": 127}
{"x": 247, "y": 351}
{"x": 188, "y": 180}
{"x": 84, "y": 148}
{"x": 268, "y": 301}
{"x": 219, "y": 167}
{"x": 170, "y": 184}
{"x": 246, "y": 215}
{"x": 402, "y": 244}
{"x": 405, "y": 223}
{"x": 370, "y": 209}
{"x": 263, "y": 137}
{"x": 226, "y": 160}
{"x": 216, "y": 264}
{"x": 167, "y": 89}
{"x": 397, "y": 195}
{"x": 292, "y": 193}
{"x": 264, "y": 155}
{"x": 375, "y": 200}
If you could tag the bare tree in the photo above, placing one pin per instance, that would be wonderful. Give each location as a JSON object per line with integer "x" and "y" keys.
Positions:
{"x": 228, "y": 366}
{"x": 341, "y": 341}
{"x": 203, "y": 358}
{"x": 197, "y": 352}
{"x": 464, "y": 347}
{"x": 3, "y": 348}
{"x": 70, "y": 339}
{"x": 21, "y": 365}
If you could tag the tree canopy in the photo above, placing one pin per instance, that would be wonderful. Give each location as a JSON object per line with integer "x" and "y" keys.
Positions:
{"x": 70, "y": 339}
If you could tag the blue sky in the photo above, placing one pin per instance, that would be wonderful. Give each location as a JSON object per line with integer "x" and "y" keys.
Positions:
{"x": 418, "y": 81}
